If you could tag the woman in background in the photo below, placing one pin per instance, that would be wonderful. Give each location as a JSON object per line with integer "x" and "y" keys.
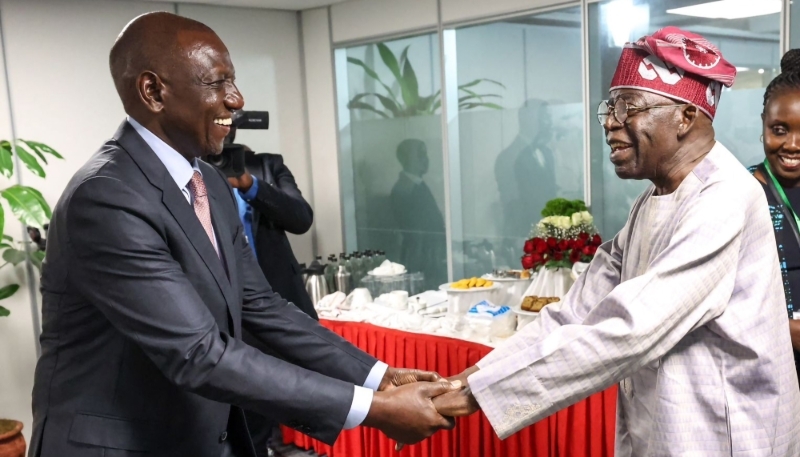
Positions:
{"x": 779, "y": 174}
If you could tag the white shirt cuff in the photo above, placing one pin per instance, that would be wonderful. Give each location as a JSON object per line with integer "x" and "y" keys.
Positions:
{"x": 376, "y": 376}
{"x": 362, "y": 396}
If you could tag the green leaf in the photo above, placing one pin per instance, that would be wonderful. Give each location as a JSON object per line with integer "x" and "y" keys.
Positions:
{"x": 7, "y": 237}
{"x": 411, "y": 92}
{"x": 42, "y": 201}
{"x": 4, "y": 312}
{"x": 44, "y": 148}
{"x": 408, "y": 84}
{"x": 390, "y": 61}
{"x": 32, "y": 145}
{"x": 404, "y": 56}
{"x": 480, "y": 80}
{"x": 6, "y": 292}
{"x": 28, "y": 205}
{"x": 389, "y": 104}
{"x": 36, "y": 258}
{"x": 467, "y": 106}
{"x": 366, "y": 107}
{"x": 29, "y": 161}
{"x": 479, "y": 97}
{"x": 14, "y": 256}
{"x": 6, "y": 163}
{"x": 5, "y": 246}
{"x": 371, "y": 73}
{"x": 2, "y": 219}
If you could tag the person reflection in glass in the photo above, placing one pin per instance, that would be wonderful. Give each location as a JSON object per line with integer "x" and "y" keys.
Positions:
{"x": 525, "y": 175}
{"x": 418, "y": 217}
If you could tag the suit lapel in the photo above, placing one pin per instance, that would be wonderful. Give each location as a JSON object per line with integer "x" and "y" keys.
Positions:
{"x": 227, "y": 253}
{"x": 181, "y": 210}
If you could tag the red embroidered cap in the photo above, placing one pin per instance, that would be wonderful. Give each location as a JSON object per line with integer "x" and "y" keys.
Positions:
{"x": 677, "y": 64}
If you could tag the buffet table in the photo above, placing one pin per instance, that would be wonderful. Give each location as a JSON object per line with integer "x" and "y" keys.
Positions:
{"x": 585, "y": 429}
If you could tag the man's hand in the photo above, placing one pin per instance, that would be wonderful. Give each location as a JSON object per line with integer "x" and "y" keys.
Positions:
{"x": 460, "y": 402}
{"x": 396, "y": 377}
{"x": 243, "y": 182}
{"x": 406, "y": 413}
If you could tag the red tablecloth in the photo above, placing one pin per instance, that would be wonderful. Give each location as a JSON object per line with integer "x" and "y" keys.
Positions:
{"x": 585, "y": 429}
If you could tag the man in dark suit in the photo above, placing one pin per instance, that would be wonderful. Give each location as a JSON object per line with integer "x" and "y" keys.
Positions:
{"x": 424, "y": 245}
{"x": 149, "y": 282}
{"x": 270, "y": 204}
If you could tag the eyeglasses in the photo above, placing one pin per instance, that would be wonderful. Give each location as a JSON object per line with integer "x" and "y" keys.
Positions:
{"x": 622, "y": 110}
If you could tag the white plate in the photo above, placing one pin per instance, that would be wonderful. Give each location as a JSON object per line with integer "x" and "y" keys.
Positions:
{"x": 518, "y": 309}
{"x": 447, "y": 288}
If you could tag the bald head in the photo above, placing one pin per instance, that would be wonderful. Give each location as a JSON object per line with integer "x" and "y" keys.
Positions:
{"x": 175, "y": 77}
{"x": 150, "y": 42}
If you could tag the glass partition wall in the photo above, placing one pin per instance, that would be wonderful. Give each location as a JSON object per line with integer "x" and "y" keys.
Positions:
{"x": 389, "y": 97}
{"x": 516, "y": 93}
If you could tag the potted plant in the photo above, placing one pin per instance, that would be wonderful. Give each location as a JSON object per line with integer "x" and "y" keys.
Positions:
{"x": 31, "y": 209}
{"x": 409, "y": 102}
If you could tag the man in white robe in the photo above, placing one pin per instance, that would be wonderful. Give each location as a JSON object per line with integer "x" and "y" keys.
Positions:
{"x": 684, "y": 307}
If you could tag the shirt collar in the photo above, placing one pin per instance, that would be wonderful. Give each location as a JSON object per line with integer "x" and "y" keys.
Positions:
{"x": 415, "y": 179}
{"x": 177, "y": 166}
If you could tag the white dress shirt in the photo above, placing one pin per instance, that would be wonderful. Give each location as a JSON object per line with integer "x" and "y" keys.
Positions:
{"x": 182, "y": 171}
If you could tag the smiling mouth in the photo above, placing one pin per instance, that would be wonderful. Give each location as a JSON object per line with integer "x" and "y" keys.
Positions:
{"x": 618, "y": 148}
{"x": 225, "y": 122}
{"x": 789, "y": 162}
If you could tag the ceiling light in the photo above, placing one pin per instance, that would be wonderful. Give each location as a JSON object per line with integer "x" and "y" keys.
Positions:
{"x": 741, "y": 69}
{"x": 760, "y": 71}
{"x": 730, "y": 9}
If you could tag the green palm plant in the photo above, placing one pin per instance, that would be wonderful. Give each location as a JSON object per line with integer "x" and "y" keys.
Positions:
{"x": 26, "y": 204}
{"x": 409, "y": 102}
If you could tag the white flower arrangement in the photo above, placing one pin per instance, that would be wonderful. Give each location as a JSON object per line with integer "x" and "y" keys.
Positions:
{"x": 565, "y": 227}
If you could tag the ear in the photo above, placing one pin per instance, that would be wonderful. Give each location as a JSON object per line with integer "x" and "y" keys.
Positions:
{"x": 689, "y": 115}
{"x": 151, "y": 90}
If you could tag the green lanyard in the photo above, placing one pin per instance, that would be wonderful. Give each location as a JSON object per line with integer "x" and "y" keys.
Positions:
{"x": 782, "y": 193}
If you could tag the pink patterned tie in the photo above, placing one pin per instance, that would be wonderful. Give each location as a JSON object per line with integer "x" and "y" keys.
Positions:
{"x": 201, "y": 208}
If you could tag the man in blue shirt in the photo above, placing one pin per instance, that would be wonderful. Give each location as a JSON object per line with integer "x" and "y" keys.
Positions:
{"x": 270, "y": 204}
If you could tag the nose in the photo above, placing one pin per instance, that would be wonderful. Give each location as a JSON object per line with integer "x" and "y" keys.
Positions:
{"x": 792, "y": 143}
{"x": 233, "y": 98}
{"x": 611, "y": 123}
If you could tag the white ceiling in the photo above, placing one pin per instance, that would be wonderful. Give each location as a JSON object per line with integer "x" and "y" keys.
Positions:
{"x": 294, "y": 5}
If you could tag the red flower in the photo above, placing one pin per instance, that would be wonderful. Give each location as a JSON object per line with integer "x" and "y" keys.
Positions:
{"x": 558, "y": 256}
{"x": 537, "y": 259}
{"x": 575, "y": 255}
{"x": 539, "y": 245}
{"x": 583, "y": 236}
{"x": 552, "y": 243}
{"x": 590, "y": 250}
{"x": 563, "y": 245}
{"x": 528, "y": 247}
{"x": 579, "y": 244}
{"x": 596, "y": 240}
{"x": 527, "y": 262}
{"x": 586, "y": 250}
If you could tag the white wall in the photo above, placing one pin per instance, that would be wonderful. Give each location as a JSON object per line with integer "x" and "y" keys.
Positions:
{"x": 461, "y": 10}
{"x": 321, "y": 111}
{"x": 63, "y": 95}
{"x": 358, "y": 19}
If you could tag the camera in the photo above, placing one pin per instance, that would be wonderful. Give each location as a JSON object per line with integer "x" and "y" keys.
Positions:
{"x": 231, "y": 160}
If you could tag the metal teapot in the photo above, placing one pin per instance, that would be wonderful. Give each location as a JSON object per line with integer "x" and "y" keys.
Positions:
{"x": 316, "y": 285}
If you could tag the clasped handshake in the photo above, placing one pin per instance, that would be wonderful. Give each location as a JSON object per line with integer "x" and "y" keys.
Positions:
{"x": 411, "y": 405}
